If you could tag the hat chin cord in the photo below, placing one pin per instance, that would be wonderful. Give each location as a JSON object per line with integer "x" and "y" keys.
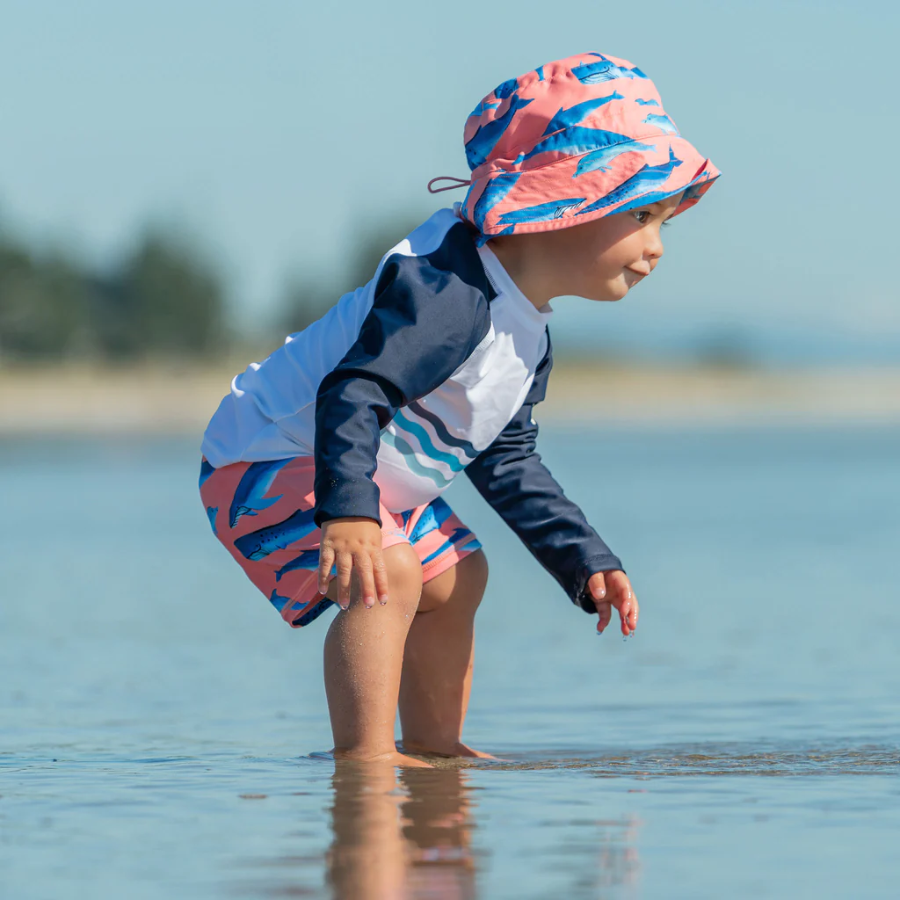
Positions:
{"x": 459, "y": 182}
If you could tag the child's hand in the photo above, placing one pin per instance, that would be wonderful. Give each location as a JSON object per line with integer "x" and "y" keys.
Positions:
{"x": 613, "y": 589}
{"x": 353, "y": 543}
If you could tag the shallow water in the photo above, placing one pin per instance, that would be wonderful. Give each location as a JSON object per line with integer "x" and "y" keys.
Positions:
{"x": 160, "y": 729}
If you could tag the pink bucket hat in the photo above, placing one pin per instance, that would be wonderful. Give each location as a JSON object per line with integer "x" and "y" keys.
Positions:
{"x": 573, "y": 141}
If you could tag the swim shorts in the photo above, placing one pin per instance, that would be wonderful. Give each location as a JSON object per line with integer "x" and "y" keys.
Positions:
{"x": 263, "y": 513}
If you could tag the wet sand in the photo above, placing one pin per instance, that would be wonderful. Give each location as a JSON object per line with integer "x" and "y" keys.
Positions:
{"x": 180, "y": 399}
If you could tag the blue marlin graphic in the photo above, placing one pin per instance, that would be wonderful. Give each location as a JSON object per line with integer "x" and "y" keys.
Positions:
{"x": 433, "y": 516}
{"x": 482, "y": 106}
{"x": 646, "y": 102}
{"x": 690, "y": 191}
{"x": 259, "y": 544}
{"x": 540, "y": 73}
{"x": 577, "y": 140}
{"x": 205, "y": 471}
{"x": 495, "y": 191}
{"x": 505, "y": 89}
{"x": 277, "y": 601}
{"x": 663, "y": 122}
{"x": 308, "y": 559}
{"x": 211, "y": 513}
{"x": 543, "y": 212}
{"x": 253, "y": 487}
{"x": 485, "y": 139}
{"x": 314, "y": 613}
{"x": 453, "y": 541}
{"x": 646, "y": 200}
{"x": 600, "y": 159}
{"x": 644, "y": 180}
{"x": 604, "y": 70}
{"x": 578, "y": 113}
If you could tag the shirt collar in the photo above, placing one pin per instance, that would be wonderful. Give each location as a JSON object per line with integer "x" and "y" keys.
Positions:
{"x": 503, "y": 284}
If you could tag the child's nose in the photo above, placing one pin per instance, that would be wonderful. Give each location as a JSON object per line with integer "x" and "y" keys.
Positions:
{"x": 654, "y": 248}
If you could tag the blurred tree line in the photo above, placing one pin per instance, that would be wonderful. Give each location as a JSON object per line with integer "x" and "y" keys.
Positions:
{"x": 161, "y": 299}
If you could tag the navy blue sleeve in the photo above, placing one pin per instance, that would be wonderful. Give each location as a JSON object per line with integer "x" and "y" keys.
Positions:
{"x": 510, "y": 475}
{"x": 429, "y": 314}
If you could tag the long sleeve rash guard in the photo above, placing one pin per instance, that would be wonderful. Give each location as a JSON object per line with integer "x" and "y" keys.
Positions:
{"x": 431, "y": 369}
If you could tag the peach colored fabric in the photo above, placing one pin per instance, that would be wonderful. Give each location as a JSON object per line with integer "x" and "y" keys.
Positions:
{"x": 262, "y": 514}
{"x": 572, "y": 141}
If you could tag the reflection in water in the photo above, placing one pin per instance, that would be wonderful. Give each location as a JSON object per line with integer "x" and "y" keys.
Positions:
{"x": 544, "y": 819}
{"x": 401, "y": 840}
{"x": 411, "y": 838}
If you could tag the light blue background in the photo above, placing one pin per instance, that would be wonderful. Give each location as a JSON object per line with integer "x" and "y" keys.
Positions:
{"x": 277, "y": 131}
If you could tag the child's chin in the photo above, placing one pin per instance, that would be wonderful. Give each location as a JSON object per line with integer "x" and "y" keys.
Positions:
{"x": 615, "y": 292}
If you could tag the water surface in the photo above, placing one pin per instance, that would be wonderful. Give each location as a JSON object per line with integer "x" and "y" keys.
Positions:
{"x": 161, "y": 729}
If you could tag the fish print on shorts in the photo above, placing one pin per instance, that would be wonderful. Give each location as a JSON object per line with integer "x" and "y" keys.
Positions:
{"x": 250, "y": 496}
{"x": 258, "y": 544}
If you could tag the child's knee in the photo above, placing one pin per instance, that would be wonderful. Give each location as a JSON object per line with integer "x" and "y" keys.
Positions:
{"x": 463, "y": 585}
{"x": 404, "y": 575}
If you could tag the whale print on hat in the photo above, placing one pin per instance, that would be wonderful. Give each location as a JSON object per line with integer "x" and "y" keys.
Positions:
{"x": 572, "y": 141}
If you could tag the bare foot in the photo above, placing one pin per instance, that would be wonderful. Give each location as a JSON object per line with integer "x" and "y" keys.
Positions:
{"x": 391, "y": 759}
{"x": 457, "y": 750}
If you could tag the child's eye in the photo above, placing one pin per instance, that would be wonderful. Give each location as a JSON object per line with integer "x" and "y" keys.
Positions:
{"x": 642, "y": 215}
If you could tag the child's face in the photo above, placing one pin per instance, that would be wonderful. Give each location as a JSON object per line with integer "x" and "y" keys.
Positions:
{"x": 604, "y": 259}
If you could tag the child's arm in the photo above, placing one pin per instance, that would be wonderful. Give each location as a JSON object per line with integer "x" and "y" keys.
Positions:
{"x": 512, "y": 478}
{"x": 424, "y": 323}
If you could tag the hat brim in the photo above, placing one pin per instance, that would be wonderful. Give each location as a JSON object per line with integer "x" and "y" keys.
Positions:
{"x": 565, "y": 192}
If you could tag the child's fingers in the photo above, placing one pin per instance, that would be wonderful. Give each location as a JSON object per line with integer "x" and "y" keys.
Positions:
{"x": 604, "y": 609}
{"x": 344, "y": 565}
{"x": 596, "y": 586}
{"x": 619, "y": 594}
{"x": 363, "y": 565}
{"x": 632, "y": 618}
{"x": 625, "y": 601}
{"x": 326, "y": 560}
{"x": 379, "y": 571}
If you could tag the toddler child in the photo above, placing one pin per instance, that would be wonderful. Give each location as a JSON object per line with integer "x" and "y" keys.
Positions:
{"x": 323, "y": 468}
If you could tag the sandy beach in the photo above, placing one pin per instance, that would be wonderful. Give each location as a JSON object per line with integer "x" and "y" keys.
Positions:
{"x": 179, "y": 400}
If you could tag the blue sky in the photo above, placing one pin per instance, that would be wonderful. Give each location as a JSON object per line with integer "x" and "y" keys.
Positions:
{"x": 275, "y": 130}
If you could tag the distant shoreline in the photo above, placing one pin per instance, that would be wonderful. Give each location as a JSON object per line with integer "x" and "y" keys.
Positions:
{"x": 179, "y": 400}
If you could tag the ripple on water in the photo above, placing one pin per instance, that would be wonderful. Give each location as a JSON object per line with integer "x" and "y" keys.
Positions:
{"x": 721, "y": 759}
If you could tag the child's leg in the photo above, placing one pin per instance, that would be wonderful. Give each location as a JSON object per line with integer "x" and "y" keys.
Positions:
{"x": 437, "y": 664}
{"x": 363, "y": 661}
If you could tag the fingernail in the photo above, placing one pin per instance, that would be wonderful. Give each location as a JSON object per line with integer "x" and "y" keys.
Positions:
{"x": 345, "y": 608}
{"x": 383, "y": 600}
{"x": 599, "y": 632}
